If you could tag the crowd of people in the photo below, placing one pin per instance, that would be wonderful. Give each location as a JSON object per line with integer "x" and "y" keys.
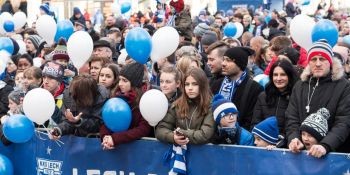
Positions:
{"x": 208, "y": 81}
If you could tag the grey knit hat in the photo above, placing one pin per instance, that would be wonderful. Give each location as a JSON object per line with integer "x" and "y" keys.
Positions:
{"x": 316, "y": 124}
{"x": 36, "y": 40}
{"x": 208, "y": 38}
{"x": 16, "y": 96}
{"x": 200, "y": 29}
{"x": 134, "y": 73}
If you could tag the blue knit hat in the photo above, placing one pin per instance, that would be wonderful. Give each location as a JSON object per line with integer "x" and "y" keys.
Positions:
{"x": 267, "y": 130}
{"x": 46, "y": 8}
{"x": 221, "y": 107}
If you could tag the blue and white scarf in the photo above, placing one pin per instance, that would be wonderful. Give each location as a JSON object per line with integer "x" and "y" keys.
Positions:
{"x": 171, "y": 21}
{"x": 176, "y": 156}
{"x": 229, "y": 87}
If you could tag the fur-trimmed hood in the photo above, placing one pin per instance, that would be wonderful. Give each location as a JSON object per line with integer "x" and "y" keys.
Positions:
{"x": 336, "y": 69}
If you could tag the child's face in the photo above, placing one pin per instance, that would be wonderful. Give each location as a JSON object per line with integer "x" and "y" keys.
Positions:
{"x": 260, "y": 142}
{"x": 12, "y": 106}
{"x": 62, "y": 62}
{"x": 191, "y": 87}
{"x": 19, "y": 79}
{"x": 229, "y": 120}
{"x": 30, "y": 80}
{"x": 308, "y": 140}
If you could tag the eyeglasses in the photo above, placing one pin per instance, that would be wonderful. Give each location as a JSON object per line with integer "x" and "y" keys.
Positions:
{"x": 230, "y": 116}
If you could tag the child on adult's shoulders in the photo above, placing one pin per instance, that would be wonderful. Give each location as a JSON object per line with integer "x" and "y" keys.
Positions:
{"x": 313, "y": 129}
{"x": 266, "y": 133}
{"x": 228, "y": 130}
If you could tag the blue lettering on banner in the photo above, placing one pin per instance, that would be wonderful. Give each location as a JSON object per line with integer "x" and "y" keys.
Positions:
{"x": 84, "y": 156}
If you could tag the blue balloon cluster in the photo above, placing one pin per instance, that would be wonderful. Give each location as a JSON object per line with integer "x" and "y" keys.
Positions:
{"x": 138, "y": 44}
{"x": 116, "y": 115}
{"x": 325, "y": 29}
{"x": 9, "y": 26}
{"x": 6, "y": 44}
{"x": 65, "y": 29}
{"x": 6, "y": 167}
{"x": 230, "y": 29}
{"x": 125, "y": 7}
{"x": 18, "y": 129}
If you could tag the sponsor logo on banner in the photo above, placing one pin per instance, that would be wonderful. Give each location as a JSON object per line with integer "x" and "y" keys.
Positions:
{"x": 49, "y": 167}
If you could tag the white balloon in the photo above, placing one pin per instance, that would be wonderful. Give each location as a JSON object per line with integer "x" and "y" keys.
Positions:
{"x": 164, "y": 42}
{"x": 39, "y": 105}
{"x": 163, "y": 1}
{"x": 4, "y": 17}
{"x": 5, "y": 57}
{"x": 22, "y": 47}
{"x": 19, "y": 19}
{"x": 79, "y": 48}
{"x": 37, "y": 61}
{"x": 240, "y": 29}
{"x": 122, "y": 56}
{"x": 153, "y": 106}
{"x": 115, "y": 8}
{"x": 46, "y": 27}
{"x": 301, "y": 30}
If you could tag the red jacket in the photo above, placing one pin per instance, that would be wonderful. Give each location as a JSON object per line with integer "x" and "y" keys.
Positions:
{"x": 139, "y": 127}
{"x": 179, "y": 5}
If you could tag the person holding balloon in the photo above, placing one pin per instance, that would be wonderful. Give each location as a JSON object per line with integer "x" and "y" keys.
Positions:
{"x": 274, "y": 100}
{"x": 130, "y": 90}
{"x": 83, "y": 102}
{"x": 190, "y": 114}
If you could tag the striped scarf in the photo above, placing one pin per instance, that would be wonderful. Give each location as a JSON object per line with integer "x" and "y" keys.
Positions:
{"x": 176, "y": 156}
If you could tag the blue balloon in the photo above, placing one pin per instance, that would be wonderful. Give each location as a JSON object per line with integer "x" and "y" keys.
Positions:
{"x": 9, "y": 26}
{"x": 6, "y": 167}
{"x": 230, "y": 29}
{"x": 6, "y": 44}
{"x": 138, "y": 44}
{"x": 346, "y": 40}
{"x": 306, "y": 2}
{"x": 325, "y": 29}
{"x": 18, "y": 129}
{"x": 116, "y": 115}
{"x": 65, "y": 29}
{"x": 125, "y": 7}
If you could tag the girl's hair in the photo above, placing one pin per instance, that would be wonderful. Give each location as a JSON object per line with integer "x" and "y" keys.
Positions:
{"x": 114, "y": 68}
{"x": 84, "y": 90}
{"x": 171, "y": 70}
{"x": 184, "y": 63}
{"x": 271, "y": 90}
{"x": 103, "y": 60}
{"x": 33, "y": 72}
{"x": 203, "y": 99}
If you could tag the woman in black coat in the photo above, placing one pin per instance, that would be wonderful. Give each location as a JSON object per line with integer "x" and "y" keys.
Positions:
{"x": 274, "y": 101}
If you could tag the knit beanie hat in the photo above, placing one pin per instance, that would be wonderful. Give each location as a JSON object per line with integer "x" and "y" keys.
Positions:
{"x": 208, "y": 38}
{"x": 134, "y": 73}
{"x": 342, "y": 51}
{"x": 60, "y": 51}
{"x": 200, "y": 29}
{"x": 321, "y": 48}
{"x": 267, "y": 130}
{"x": 36, "y": 40}
{"x": 53, "y": 70}
{"x": 316, "y": 124}
{"x": 239, "y": 55}
{"x": 221, "y": 107}
{"x": 16, "y": 96}
{"x": 46, "y": 8}
{"x": 76, "y": 10}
